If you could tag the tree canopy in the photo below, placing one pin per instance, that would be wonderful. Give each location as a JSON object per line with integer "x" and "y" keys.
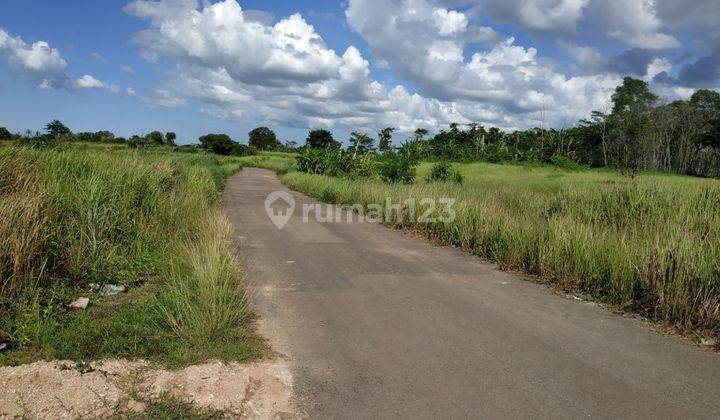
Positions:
{"x": 170, "y": 138}
{"x": 632, "y": 94}
{"x": 263, "y": 138}
{"x": 56, "y": 128}
{"x": 5, "y": 134}
{"x": 385, "y": 138}
{"x": 320, "y": 138}
{"x": 220, "y": 144}
{"x": 361, "y": 143}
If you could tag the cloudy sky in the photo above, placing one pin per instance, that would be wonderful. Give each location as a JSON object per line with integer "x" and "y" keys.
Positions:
{"x": 198, "y": 66}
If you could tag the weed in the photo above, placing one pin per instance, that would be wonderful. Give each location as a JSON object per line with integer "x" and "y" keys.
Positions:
{"x": 147, "y": 219}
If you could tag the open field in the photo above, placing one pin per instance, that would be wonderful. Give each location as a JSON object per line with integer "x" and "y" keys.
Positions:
{"x": 650, "y": 244}
{"x": 148, "y": 220}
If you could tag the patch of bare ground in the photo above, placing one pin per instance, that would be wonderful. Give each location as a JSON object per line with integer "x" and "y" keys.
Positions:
{"x": 127, "y": 389}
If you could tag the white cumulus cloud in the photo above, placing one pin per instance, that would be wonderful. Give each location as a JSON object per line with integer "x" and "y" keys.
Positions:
{"x": 37, "y": 62}
{"x": 505, "y": 84}
{"x": 89, "y": 82}
{"x": 282, "y": 72}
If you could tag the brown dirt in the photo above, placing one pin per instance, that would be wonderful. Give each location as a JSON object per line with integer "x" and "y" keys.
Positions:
{"x": 61, "y": 390}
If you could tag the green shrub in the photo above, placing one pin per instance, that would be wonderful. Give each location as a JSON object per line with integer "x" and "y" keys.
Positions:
{"x": 443, "y": 171}
{"x": 187, "y": 148}
{"x": 243, "y": 150}
{"x": 497, "y": 152}
{"x": 457, "y": 177}
{"x": 397, "y": 168}
{"x": 364, "y": 165}
{"x": 564, "y": 162}
{"x": 44, "y": 141}
{"x": 310, "y": 160}
{"x": 332, "y": 161}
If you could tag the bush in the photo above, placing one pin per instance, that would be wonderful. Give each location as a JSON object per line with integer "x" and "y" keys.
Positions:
{"x": 496, "y": 153}
{"x": 364, "y": 165}
{"x": 220, "y": 144}
{"x": 443, "y": 171}
{"x": 186, "y": 148}
{"x": 397, "y": 168}
{"x": 5, "y": 134}
{"x": 564, "y": 162}
{"x": 334, "y": 161}
{"x": 243, "y": 150}
{"x": 457, "y": 177}
{"x": 310, "y": 160}
{"x": 43, "y": 141}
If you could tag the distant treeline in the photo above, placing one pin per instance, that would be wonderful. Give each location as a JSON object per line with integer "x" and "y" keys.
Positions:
{"x": 261, "y": 138}
{"x": 638, "y": 133}
{"x": 56, "y": 132}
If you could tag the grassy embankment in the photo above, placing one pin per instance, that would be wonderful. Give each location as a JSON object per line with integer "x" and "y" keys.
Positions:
{"x": 149, "y": 220}
{"x": 650, "y": 244}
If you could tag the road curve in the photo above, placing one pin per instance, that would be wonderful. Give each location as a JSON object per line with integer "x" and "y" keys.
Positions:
{"x": 378, "y": 324}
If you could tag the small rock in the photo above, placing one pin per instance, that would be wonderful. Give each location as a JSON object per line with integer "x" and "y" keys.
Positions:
{"x": 112, "y": 289}
{"x": 80, "y": 303}
{"x": 708, "y": 342}
{"x": 5, "y": 341}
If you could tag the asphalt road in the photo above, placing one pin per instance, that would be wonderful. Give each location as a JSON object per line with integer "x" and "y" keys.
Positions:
{"x": 377, "y": 324}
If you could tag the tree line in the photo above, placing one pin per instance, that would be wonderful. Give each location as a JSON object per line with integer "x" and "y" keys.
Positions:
{"x": 639, "y": 132}
{"x": 57, "y": 132}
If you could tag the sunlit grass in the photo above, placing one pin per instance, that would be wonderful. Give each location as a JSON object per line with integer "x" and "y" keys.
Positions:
{"x": 650, "y": 243}
{"x": 149, "y": 220}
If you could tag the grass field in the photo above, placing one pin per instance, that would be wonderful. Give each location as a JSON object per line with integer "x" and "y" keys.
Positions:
{"x": 649, "y": 244}
{"x": 149, "y": 220}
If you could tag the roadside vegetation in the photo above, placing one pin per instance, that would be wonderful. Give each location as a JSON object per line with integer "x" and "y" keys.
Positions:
{"x": 604, "y": 209}
{"x": 594, "y": 209}
{"x": 648, "y": 244}
{"x": 148, "y": 219}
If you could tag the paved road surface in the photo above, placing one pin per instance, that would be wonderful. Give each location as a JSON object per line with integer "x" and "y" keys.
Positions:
{"x": 377, "y": 324}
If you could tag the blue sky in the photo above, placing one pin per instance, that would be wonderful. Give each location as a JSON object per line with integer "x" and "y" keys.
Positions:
{"x": 195, "y": 67}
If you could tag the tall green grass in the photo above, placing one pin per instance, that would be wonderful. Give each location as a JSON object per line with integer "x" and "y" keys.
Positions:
{"x": 650, "y": 244}
{"x": 149, "y": 220}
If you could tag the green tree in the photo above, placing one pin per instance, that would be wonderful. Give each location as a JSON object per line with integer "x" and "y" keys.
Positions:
{"x": 395, "y": 167}
{"x": 385, "y": 138}
{"x": 155, "y": 137}
{"x": 136, "y": 141}
{"x": 320, "y": 138}
{"x": 707, "y": 101}
{"x": 633, "y": 94}
{"x": 361, "y": 143}
{"x": 170, "y": 138}
{"x": 263, "y": 138}
{"x": 290, "y": 146}
{"x": 632, "y": 105}
{"x": 420, "y": 134}
{"x": 104, "y": 136}
{"x": 5, "y": 134}
{"x": 220, "y": 144}
{"x": 56, "y": 129}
